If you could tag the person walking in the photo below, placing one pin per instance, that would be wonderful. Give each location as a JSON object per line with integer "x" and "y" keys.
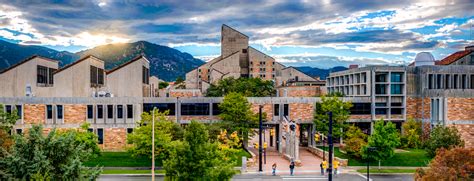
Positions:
{"x": 321, "y": 166}
{"x": 325, "y": 166}
{"x": 292, "y": 167}
{"x": 274, "y": 167}
{"x": 336, "y": 165}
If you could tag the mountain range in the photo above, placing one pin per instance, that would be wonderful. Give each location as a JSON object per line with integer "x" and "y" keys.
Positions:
{"x": 166, "y": 63}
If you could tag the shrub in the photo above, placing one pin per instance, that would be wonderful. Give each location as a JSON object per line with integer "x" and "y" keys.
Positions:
{"x": 411, "y": 134}
{"x": 442, "y": 137}
{"x": 355, "y": 140}
{"x": 454, "y": 164}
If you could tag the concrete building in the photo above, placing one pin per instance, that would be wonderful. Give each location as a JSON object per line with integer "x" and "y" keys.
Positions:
{"x": 435, "y": 92}
{"x": 30, "y": 77}
{"x": 238, "y": 59}
{"x": 131, "y": 79}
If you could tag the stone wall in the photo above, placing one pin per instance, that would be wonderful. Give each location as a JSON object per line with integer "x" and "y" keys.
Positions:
{"x": 115, "y": 139}
{"x": 267, "y": 109}
{"x": 74, "y": 114}
{"x": 418, "y": 108}
{"x": 460, "y": 109}
{"x": 34, "y": 114}
{"x": 300, "y": 91}
{"x": 301, "y": 111}
{"x": 467, "y": 134}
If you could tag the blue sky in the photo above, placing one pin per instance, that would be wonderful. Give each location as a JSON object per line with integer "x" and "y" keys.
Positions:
{"x": 321, "y": 33}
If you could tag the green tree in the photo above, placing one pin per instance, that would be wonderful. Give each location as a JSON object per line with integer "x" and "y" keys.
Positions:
{"x": 340, "y": 114}
{"x": 165, "y": 132}
{"x": 196, "y": 158}
{"x": 163, "y": 85}
{"x": 83, "y": 137}
{"x": 355, "y": 139}
{"x": 411, "y": 134}
{"x": 442, "y": 137}
{"x": 7, "y": 120}
{"x": 54, "y": 157}
{"x": 236, "y": 115}
{"x": 249, "y": 87}
{"x": 385, "y": 138}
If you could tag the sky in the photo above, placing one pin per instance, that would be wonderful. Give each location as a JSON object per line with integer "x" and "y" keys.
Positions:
{"x": 323, "y": 33}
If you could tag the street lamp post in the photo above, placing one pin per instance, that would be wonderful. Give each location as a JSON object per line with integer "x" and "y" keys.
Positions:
{"x": 369, "y": 149}
{"x": 153, "y": 145}
{"x": 331, "y": 146}
{"x": 260, "y": 145}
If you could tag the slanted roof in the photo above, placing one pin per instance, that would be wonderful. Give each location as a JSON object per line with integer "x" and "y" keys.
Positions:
{"x": 76, "y": 62}
{"x": 127, "y": 63}
{"x": 26, "y": 60}
{"x": 224, "y": 25}
{"x": 454, "y": 57}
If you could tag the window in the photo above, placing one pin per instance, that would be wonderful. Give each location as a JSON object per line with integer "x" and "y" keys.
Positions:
{"x": 19, "y": 111}
{"x": 129, "y": 130}
{"x": 396, "y": 77}
{"x": 396, "y": 103}
{"x": 286, "y": 110}
{"x": 59, "y": 111}
{"x": 380, "y": 89}
{"x": 380, "y": 78}
{"x": 396, "y": 111}
{"x": 361, "y": 108}
{"x": 97, "y": 76}
{"x": 146, "y": 75}
{"x": 276, "y": 110}
{"x": 51, "y": 76}
{"x": 49, "y": 112}
{"x": 148, "y": 107}
{"x": 8, "y": 109}
{"x": 244, "y": 50}
{"x": 90, "y": 130}
{"x": 463, "y": 81}
{"x": 130, "y": 111}
{"x": 194, "y": 109}
{"x": 455, "y": 81}
{"x": 119, "y": 111}
{"x": 215, "y": 109}
{"x": 472, "y": 81}
{"x": 447, "y": 81}
{"x": 90, "y": 112}
{"x": 19, "y": 131}
{"x": 100, "y": 112}
{"x": 396, "y": 89}
{"x": 380, "y": 111}
{"x": 380, "y": 104}
{"x": 42, "y": 75}
{"x": 438, "y": 81}
{"x": 100, "y": 135}
{"x": 110, "y": 111}
{"x": 430, "y": 81}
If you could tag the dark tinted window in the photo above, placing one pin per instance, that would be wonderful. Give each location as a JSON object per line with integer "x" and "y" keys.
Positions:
{"x": 19, "y": 131}
{"x": 396, "y": 77}
{"x": 130, "y": 111}
{"x": 276, "y": 110}
{"x": 100, "y": 112}
{"x": 396, "y": 111}
{"x": 51, "y": 76}
{"x": 195, "y": 109}
{"x": 19, "y": 111}
{"x": 90, "y": 112}
{"x": 93, "y": 75}
{"x": 59, "y": 111}
{"x": 110, "y": 111}
{"x": 380, "y": 111}
{"x": 8, "y": 109}
{"x": 361, "y": 108}
{"x": 396, "y": 104}
{"x": 100, "y": 135}
{"x": 119, "y": 111}
{"x": 49, "y": 111}
{"x": 148, "y": 107}
{"x": 286, "y": 110}
{"x": 396, "y": 89}
{"x": 146, "y": 75}
{"x": 215, "y": 109}
{"x": 42, "y": 74}
{"x": 129, "y": 130}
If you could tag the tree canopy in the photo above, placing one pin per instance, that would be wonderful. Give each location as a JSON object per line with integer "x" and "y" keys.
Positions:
{"x": 340, "y": 114}
{"x": 355, "y": 139}
{"x": 454, "y": 164}
{"x": 411, "y": 135}
{"x": 236, "y": 114}
{"x": 54, "y": 157}
{"x": 385, "y": 139}
{"x": 442, "y": 137}
{"x": 248, "y": 87}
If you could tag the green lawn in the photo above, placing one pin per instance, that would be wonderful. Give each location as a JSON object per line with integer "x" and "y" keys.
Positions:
{"x": 411, "y": 158}
{"x": 125, "y": 159}
{"x": 132, "y": 172}
{"x": 120, "y": 159}
{"x": 374, "y": 170}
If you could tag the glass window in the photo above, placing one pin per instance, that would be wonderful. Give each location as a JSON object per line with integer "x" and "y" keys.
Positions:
{"x": 100, "y": 135}
{"x": 472, "y": 81}
{"x": 42, "y": 74}
{"x": 51, "y": 76}
{"x": 119, "y": 111}
{"x": 396, "y": 77}
{"x": 146, "y": 75}
{"x": 194, "y": 109}
{"x": 100, "y": 112}
{"x": 215, "y": 109}
{"x": 396, "y": 89}
{"x": 447, "y": 81}
{"x": 129, "y": 111}
{"x": 276, "y": 110}
{"x": 129, "y": 130}
{"x": 380, "y": 111}
{"x": 380, "y": 89}
{"x": 438, "y": 81}
{"x": 430, "y": 81}
{"x": 19, "y": 131}
{"x": 90, "y": 112}
{"x": 361, "y": 108}
{"x": 381, "y": 78}
{"x": 97, "y": 76}
{"x": 396, "y": 111}
{"x": 49, "y": 111}
{"x": 19, "y": 111}
{"x": 455, "y": 81}
{"x": 59, "y": 111}
{"x": 148, "y": 107}
{"x": 93, "y": 75}
{"x": 286, "y": 110}
{"x": 463, "y": 81}
{"x": 8, "y": 109}
{"x": 110, "y": 111}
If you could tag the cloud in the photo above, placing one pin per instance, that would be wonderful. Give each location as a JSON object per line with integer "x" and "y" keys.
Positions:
{"x": 324, "y": 61}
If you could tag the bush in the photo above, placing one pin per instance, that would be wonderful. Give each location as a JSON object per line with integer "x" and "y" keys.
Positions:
{"x": 454, "y": 164}
{"x": 411, "y": 134}
{"x": 442, "y": 137}
{"x": 355, "y": 140}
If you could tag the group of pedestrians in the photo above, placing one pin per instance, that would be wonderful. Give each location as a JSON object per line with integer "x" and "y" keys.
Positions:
{"x": 292, "y": 168}
{"x": 325, "y": 169}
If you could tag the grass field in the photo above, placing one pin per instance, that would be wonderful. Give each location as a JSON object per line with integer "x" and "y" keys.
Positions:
{"x": 387, "y": 170}
{"x": 410, "y": 158}
{"x": 125, "y": 159}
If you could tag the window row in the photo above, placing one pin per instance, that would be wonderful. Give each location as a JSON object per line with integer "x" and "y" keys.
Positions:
{"x": 111, "y": 111}
{"x": 12, "y": 108}
{"x": 44, "y": 76}
{"x": 348, "y": 79}
{"x": 450, "y": 81}
{"x": 100, "y": 133}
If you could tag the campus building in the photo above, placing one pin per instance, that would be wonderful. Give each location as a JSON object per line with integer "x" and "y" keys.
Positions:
{"x": 238, "y": 59}
{"x": 435, "y": 92}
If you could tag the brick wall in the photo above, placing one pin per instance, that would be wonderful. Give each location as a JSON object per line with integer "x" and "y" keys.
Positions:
{"x": 418, "y": 107}
{"x": 34, "y": 114}
{"x": 300, "y": 111}
{"x": 74, "y": 113}
{"x": 300, "y": 91}
{"x": 267, "y": 109}
{"x": 184, "y": 93}
{"x": 460, "y": 109}
{"x": 115, "y": 139}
